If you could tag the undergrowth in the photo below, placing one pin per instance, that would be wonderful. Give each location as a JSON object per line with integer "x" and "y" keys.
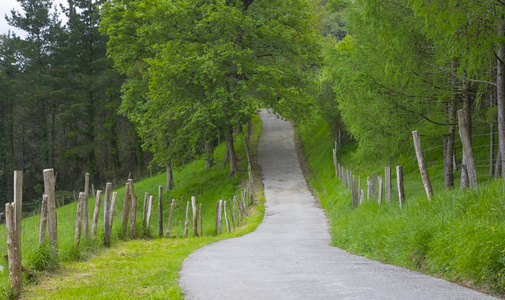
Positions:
{"x": 459, "y": 235}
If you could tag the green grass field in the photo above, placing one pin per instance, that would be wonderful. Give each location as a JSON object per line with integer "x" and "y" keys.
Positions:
{"x": 459, "y": 235}
{"x": 143, "y": 268}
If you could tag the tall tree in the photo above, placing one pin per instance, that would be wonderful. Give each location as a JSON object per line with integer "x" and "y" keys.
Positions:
{"x": 200, "y": 67}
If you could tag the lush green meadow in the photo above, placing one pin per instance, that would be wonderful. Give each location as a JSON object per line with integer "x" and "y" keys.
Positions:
{"x": 459, "y": 235}
{"x": 147, "y": 267}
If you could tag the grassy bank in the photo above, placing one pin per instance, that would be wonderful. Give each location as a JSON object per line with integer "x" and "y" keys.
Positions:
{"x": 459, "y": 235}
{"x": 144, "y": 268}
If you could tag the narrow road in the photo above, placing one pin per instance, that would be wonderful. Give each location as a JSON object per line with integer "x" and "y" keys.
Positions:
{"x": 288, "y": 256}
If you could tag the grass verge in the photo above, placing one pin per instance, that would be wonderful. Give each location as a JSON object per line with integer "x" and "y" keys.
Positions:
{"x": 144, "y": 268}
{"x": 458, "y": 236}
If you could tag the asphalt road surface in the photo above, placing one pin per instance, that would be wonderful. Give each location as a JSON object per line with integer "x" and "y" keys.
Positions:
{"x": 288, "y": 256}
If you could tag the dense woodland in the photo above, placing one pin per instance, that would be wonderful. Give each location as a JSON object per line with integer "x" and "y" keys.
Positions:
{"x": 124, "y": 83}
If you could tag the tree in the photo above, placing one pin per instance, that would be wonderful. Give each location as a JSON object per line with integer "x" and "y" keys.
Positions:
{"x": 196, "y": 69}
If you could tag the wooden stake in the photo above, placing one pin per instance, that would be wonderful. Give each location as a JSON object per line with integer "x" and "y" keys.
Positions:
{"x": 94, "y": 226}
{"x": 111, "y": 211}
{"x": 361, "y": 196}
{"x": 167, "y": 234}
{"x": 149, "y": 210}
{"x": 368, "y": 187}
{"x": 78, "y": 220}
{"x": 236, "y": 211}
{"x": 160, "y": 211}
{"x": 49, "y": 190}
{"x": 231, "y": 213}
{"x": 133, "y": 215}
{"x": 145, "y": 209}
{"x": 195, "y": 216}
{"x": 106, "y": 214}
{"x": 15, "y": 277}
{"x": 422, "y": 165}
{"x": 226, "y": 218}
{"x": 186, "y": 224}
{"x": 85, "y": 215}
{"x": 92, "y": 189}
{"x": 387, "y": 176}
{"x": 126, "y": 209}
{"x": 43, "y": 220}
{"x": 467, "y": 149}
{"x": 399, "y": 178}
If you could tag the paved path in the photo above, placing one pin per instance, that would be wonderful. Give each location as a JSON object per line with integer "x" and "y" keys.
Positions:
{"x": 288, "y": 256}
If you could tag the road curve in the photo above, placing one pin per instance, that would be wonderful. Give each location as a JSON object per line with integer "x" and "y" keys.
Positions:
{"x": 288, "y": 256}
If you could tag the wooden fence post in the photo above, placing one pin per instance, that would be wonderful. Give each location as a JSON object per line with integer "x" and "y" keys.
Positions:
{"x": 94, "y": 226}
{"x": 49, "y": 190}
{"x": 85, "y": 215}
{"x": 106, "y": 214}
{"x": 235, "y": 211}
{"x": 160, "y": 211}
{"x": 126, "y": 209}
{"x": 201, "y": 220}
{"x": 43, "y": 220}
{"x": 387, "y": 175}
{"x": 361, "y": 196}
{"x": 399, "y": 178}
{"x": 467, "y": 148}
{"x": 133, "y": 207}
{"x": 78, "y": 219}
{"x": 15, "y": 277}
{"x": 186, "y": 224}
{"x": 195, "y": 216}
{"x": 422, "y": 165}
{"x": 379, "y": 200}
{"x": 149, "y": 210}
{"x": 167, "y": 234}
{"x": 368, "y": 187}
{"x": 111, "y": 211}
{"x": 145, "y": 209}
{"x": 226, "y": 218}
{"x": 231, "y": 213}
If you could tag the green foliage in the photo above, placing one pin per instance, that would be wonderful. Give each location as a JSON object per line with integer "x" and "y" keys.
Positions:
{"x": 196, "y": 70}
{"x": 458, "y": 235}
{"x": 45, "y": 257}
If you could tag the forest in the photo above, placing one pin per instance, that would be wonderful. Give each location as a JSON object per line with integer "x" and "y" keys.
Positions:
{"x": 122, "y": 86}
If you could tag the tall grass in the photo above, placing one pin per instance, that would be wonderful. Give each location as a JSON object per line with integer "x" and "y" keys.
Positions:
{"x": 207, "y": 185}
{"x": 459, "y": 235}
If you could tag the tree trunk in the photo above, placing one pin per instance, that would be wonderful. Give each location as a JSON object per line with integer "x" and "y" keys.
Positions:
{"x": 231, "y": 151}
{"x": 170, "y": 178}
{"x": 500, "y": 92}
{"x": 209, "y": 157}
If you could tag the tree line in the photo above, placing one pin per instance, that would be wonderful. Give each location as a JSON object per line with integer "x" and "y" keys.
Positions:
{"x": 391, "y": 67}
{"x": 123, "y": 83}
{"x": 59, "y": 99}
